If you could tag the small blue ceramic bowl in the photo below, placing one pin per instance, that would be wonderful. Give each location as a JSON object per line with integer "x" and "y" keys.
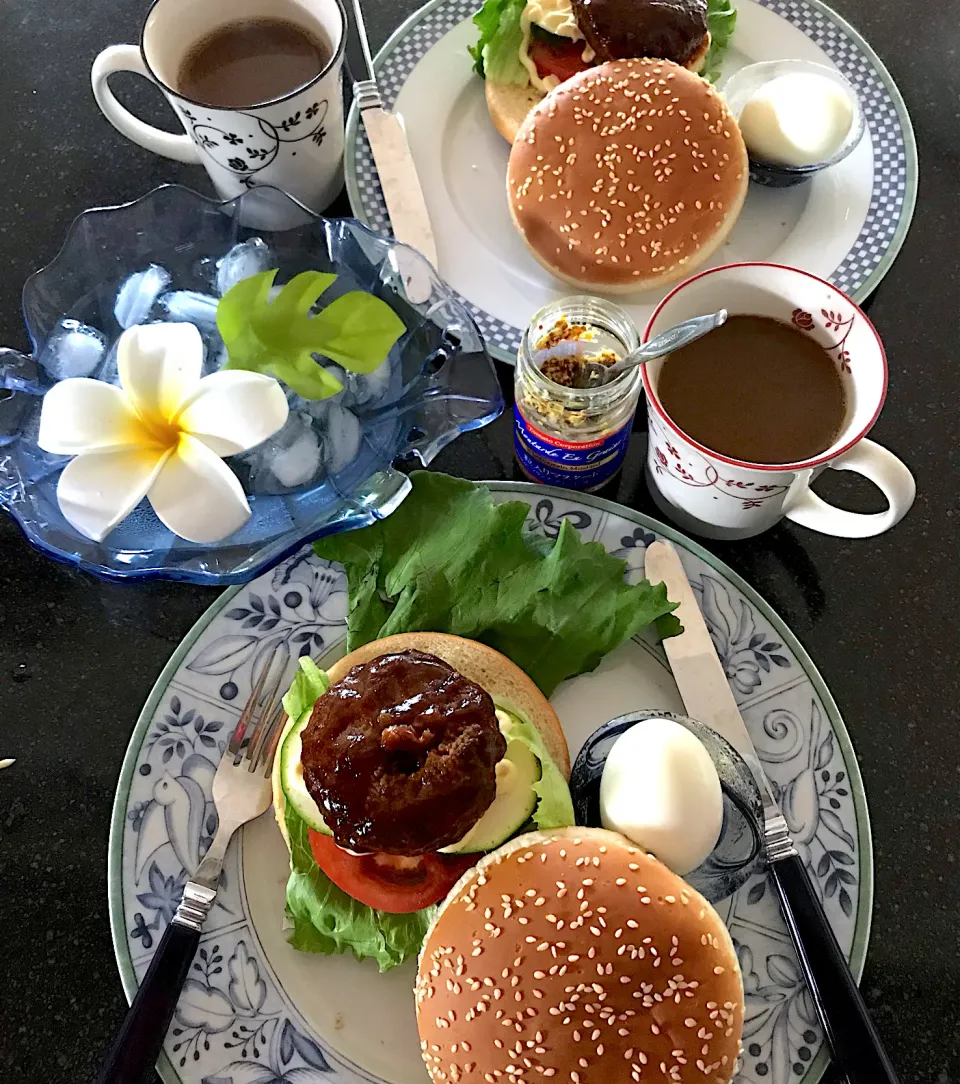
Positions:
{"x": 167, "y": 256}
{"x": 744, "y": 83}
{"x": 739, "y": 850}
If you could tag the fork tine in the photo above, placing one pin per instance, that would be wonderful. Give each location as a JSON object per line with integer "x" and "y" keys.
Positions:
{"x": 265, "y": 723}
{"x": 235, "y": 744}
{"x": 272, "y": 731}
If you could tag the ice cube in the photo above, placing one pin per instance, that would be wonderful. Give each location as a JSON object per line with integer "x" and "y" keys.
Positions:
{"x": 289, "y": 459}
{"x": 137, "y": 295}
{"x": 342, "y": 439}
{"x": 317, "y": 409}
{"x": 109, "y": 370}
{"x": 365, "y": 389}
{"x": 73, "y": 349}
{"x": 188, "y": 306}
{"x": 243, "y": 260}
{"x": 298, "y": 464}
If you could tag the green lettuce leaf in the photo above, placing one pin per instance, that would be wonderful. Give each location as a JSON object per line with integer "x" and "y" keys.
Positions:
{"x": 309, "y": 682}
{"x": 451, "y": 560}
{"x": 496, "y": 55}
{"x": 721, "y": 20}
{"x": 554, "y": 807}
{"x": 325, "y": 919}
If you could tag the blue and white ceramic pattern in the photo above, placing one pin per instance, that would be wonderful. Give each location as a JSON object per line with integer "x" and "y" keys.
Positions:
{"x": 848, "y": 231}
{"x": 255, "y": 1012}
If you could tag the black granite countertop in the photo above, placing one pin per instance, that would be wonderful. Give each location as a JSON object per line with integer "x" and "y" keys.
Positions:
{"x": 879, "y": 617}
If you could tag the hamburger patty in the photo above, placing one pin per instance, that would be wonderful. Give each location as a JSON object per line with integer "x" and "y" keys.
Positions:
{"x": 625, "y": 29}
{"x": 400, "y": 755}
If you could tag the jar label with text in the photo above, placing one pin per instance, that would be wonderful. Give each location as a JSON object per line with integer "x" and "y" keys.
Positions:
{"x": 573, "y": 464}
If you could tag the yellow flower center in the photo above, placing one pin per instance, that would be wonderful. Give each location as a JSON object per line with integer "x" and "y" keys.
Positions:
{"x": 162, "y": 431}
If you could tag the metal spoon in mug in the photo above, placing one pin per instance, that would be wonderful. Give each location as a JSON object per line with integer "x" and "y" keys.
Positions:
{"x": 593, "y": 373}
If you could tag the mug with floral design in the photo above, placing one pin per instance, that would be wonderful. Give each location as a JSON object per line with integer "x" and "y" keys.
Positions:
{"x": 720, "y": 497}
{"x": 294, "y": 142}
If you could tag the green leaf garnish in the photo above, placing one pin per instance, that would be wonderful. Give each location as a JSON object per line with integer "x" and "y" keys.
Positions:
{"x": 309, "y": 683}
{"x": 450, "y": 559}
{"x": 721, "y": 21}
{"x": 280, "y": 337}
{"x": 497, "y": 54}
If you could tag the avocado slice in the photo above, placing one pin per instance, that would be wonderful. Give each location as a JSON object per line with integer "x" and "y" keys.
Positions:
{"x": 291, "y": 777}
{"x": 515, "y": 799}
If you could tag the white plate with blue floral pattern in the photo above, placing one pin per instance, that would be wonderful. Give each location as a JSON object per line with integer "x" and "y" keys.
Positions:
{"x": 846, "y": 225}
{"x": 254, "y": 1011}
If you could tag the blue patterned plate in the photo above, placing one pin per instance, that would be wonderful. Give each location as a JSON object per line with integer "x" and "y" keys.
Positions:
{"x": 846, "y": 225}
{"x": 254, "y": 1011}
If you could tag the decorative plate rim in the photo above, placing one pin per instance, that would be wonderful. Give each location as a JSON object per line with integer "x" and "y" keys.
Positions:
{"x": 864, "y": 911}
{"x": 863, "y": 291}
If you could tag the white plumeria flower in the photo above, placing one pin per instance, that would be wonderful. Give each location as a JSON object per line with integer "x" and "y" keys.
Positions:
{"x": 160, "y": 435}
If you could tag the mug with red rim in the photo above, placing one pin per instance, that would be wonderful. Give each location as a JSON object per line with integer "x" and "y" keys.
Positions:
{"x": 719, "y": 497}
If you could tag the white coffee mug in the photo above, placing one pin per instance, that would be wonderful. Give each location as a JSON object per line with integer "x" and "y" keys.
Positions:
{"x": 294, "y": 142}
{"x": 720, "y": 497}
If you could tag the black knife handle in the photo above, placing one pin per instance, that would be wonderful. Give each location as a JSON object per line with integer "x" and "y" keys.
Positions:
{"x": 856, "y": 1046}
{"x": 135, "y": 1050}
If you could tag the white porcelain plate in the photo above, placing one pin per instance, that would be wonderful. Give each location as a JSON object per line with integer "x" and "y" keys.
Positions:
{"x": 254, "y": 1011}
{"x": 846, "y": 225}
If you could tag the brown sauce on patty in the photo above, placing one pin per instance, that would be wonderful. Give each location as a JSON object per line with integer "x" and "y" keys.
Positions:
{"x": 626, "y": 29}
{"x": 400, "y": 755}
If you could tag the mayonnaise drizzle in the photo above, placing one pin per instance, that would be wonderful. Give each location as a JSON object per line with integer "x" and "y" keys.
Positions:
{"x": 556, "y": 16}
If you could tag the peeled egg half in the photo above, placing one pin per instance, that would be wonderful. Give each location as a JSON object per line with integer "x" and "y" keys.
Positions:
{"x": 660, "y": 789}
{"x": 798, "y": 119}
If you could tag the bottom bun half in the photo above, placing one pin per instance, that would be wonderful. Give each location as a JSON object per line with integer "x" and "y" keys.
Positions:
{"x": 508, "y": 106}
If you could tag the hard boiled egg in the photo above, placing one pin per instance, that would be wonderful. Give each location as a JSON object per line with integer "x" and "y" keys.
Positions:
{"x": 798, "y": 119}
{"x": 660, "y": 789}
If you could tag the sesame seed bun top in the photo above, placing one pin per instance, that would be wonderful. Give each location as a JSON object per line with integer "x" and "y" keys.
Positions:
{"x": 627, "y": 176}
{"x": 575, "y": 955}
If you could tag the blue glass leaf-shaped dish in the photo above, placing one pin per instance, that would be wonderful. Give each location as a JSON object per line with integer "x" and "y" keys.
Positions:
{"x": 437, "y": 383}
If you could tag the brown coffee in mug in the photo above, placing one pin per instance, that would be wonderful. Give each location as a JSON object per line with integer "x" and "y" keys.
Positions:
{"x": 756, "y": 390}
{"x": 250, "y": 62}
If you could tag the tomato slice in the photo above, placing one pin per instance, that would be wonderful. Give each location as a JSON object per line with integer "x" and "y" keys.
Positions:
{"x": 389, "y": 882}
{"x": 559, "y": 57}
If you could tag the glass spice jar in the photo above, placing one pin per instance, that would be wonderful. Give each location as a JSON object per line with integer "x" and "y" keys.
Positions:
{"x": 567, "y": 436}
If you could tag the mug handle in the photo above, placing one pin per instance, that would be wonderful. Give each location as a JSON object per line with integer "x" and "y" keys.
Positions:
{"x": 127, "y": 58}
{"x": 882, "y": 468}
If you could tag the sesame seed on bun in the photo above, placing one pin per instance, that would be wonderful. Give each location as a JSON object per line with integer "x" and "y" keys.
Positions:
{"x": 627, "y": 176}
{"x": 577, "y": 956}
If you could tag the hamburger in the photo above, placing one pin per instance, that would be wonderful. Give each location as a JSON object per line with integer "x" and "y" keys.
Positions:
{"x": 397, "y": 769}
{"x": 627, "y": 176}
{"x": 576, "y": 956}
{"x": 529, "y": 47}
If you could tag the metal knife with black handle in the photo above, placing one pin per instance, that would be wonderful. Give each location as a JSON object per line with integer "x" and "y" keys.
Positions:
{"x": 856, "y": 1046}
